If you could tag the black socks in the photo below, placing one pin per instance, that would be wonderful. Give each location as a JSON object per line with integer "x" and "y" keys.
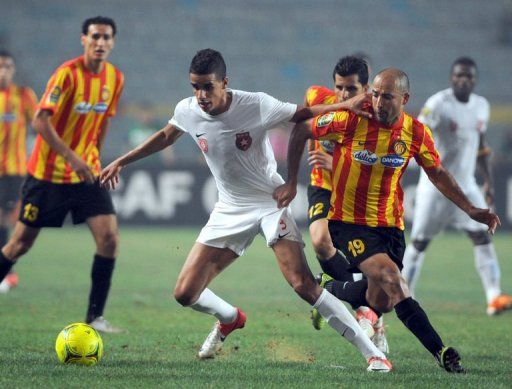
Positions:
{"x": 353, "y": 293}
{"x": 416, "y": 320}
{"x": 336, "y": 267}
{"x": 5, "y": 266}
{"x": 101, "y": 275}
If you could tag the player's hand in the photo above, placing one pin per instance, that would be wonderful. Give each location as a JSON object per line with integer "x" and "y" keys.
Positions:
{"x": 109, "y": 177}
{"x": 359, "y": 105}
{"x": 83, "y": 170}
{"x": 284, "y": 194}
{"x": 320, "y": 159}
{"x": 485, "y": 216}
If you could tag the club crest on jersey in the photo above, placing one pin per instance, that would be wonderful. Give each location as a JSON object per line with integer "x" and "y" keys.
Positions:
{"x": 399, "y": 147}
{"x": 393, "y": 161}
{"x": 365, "y": 157}
{"x": 55, "y": 95}
{"x": 203, "y": 144}
{"x": 243, "y": 140}
{"x": 105, "y": 93}
{"x": 325, "y": 120}
{"x": 83, "y": 107}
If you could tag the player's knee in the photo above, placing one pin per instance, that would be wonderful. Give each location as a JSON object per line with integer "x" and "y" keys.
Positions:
{"x": 420, "y": 245}
{"x": 19, "y": 247}
{"x": 184, "y": 296}
{"x": 323, "y": 247}
{"x": 479, "y": 238}
{"x": 108, "y": 242}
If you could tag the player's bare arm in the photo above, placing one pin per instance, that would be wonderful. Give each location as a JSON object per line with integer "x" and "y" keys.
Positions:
{"x": 109, "y": 177}
{"x": 484, "y": 168}
{"x": 447, "y": 185}
{"x": 284, "y": 194}
{"x": 43, "y": 125}
{"x": 356, "y": 104}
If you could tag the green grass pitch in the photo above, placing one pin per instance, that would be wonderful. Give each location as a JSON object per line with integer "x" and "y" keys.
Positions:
{"x": 278, "y": 347}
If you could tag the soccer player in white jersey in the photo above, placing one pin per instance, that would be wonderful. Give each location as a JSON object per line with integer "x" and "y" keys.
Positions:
{"x": 458, "y": 119}
{"x": 230, "y": 127}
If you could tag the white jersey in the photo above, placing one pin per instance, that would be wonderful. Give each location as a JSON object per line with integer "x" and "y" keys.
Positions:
{"x": 235, "y": 144}
{"x": 456, "y": 127}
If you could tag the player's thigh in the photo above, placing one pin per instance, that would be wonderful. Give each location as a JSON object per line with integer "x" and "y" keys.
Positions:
{"x": 203, "y": 263}
{"x": 90, "y": 200}
{"x": 229, "y": 227}
{"x": 44, "y": 204}
{"x": 278, "y": 223}
{"x": 432, "y": 212}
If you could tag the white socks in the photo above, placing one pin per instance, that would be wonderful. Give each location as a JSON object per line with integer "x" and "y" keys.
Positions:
{"x": 339, "y": 318}
{"x": 209, "y": 302}
{"x": 413, "y": 261}
{"x": 486, "y": 263}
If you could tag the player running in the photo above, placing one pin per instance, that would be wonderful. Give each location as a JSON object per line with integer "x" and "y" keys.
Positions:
{"x": 350, "y": 77}
{"x": 230, "y": 127}
{"x": 17, "y": 107}
{"x": 458, "y": 118}
{"x": 72, "y": 122}
{"x": 366, "y": 216}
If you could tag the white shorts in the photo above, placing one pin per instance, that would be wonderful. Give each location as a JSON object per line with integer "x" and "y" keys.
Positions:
{"x": 235, "y": 227}
{"x": 433, "y": 212}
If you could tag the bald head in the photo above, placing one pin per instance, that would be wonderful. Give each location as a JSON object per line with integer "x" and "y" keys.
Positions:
{"x": 390, "y": 92}
{"x": 394, "y": 76}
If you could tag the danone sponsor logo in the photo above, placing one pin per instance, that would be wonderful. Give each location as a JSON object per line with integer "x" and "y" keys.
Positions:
{"x": 327, "y": 145}
{"x": 393, "y": 161}
{"x": 365, "y": 157}
{"x": 55, "y": 95}
{"x": 8, "y": 117}
{"x": 83, "y": 107}
{"x": 100, "y": 107}
{"x": 325, "y": 120}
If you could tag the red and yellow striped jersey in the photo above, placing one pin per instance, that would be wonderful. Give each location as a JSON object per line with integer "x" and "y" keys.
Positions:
{"x": 368, "y": 162}
{"x": 80, "y": 102}
{"x": 320, "y": 95}
{"x": 17, "y": 106}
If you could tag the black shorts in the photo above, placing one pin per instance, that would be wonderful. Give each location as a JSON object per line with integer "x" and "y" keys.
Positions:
{"x": 319, "y": 200}
{"x": 10, "y": 187}
{"x": 45, "y": 204}
{"x": 361, "y": 242}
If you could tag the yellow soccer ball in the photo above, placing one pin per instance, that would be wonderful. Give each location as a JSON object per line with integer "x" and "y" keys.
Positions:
{"x": 79, "y": 343}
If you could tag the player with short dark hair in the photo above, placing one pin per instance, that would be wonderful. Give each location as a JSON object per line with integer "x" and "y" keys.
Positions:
{"x": 366, "y": 215}
{"x": 17, "y": 107}
{"x": 458, "y": 118}
{"x": 350, "y": 77}
{"x": 72, "y": 121}
{"x": 230, "y": 127}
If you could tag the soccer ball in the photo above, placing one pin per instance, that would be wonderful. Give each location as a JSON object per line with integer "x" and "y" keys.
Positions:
{"x": 79, "y": 343}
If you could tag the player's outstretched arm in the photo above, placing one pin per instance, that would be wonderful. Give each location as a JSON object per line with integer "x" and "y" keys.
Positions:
{"x": 484, "y": 167}
{"x": 109, "y": 177}
{"x": 43, "y": 126}
{"x": 447, "y": 185}
{"x": 356, "y": 104}
{"x": 285, "y": 193}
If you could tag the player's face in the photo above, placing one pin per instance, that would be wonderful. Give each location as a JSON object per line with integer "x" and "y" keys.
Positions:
{"x": 210, "y": 92}
{"x": 463, "y": 81}
{"x": 347, "y": 87}
{"x": 98, "y": 43}
{"x": 387, "y": 100}
{"x": 7, "y": 70}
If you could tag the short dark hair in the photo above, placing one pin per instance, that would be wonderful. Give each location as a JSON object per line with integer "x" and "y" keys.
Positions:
{"x": 6, "y": 54}
{"x": 99, "y": 20}
{"x": 464, "y": 61}
{"x": 208, "y": 61}
{"x": 350, "y": 65}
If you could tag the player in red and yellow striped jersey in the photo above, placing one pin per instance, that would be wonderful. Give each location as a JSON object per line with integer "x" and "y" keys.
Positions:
{"x": 72, "y": 121}
{"x": 17, "y": 107}
{"x": 366, "y": 220}
{"x": 350, "y": 76}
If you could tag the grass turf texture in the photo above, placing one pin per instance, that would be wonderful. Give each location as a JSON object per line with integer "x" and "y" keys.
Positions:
{"x": 278, "y": 347}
